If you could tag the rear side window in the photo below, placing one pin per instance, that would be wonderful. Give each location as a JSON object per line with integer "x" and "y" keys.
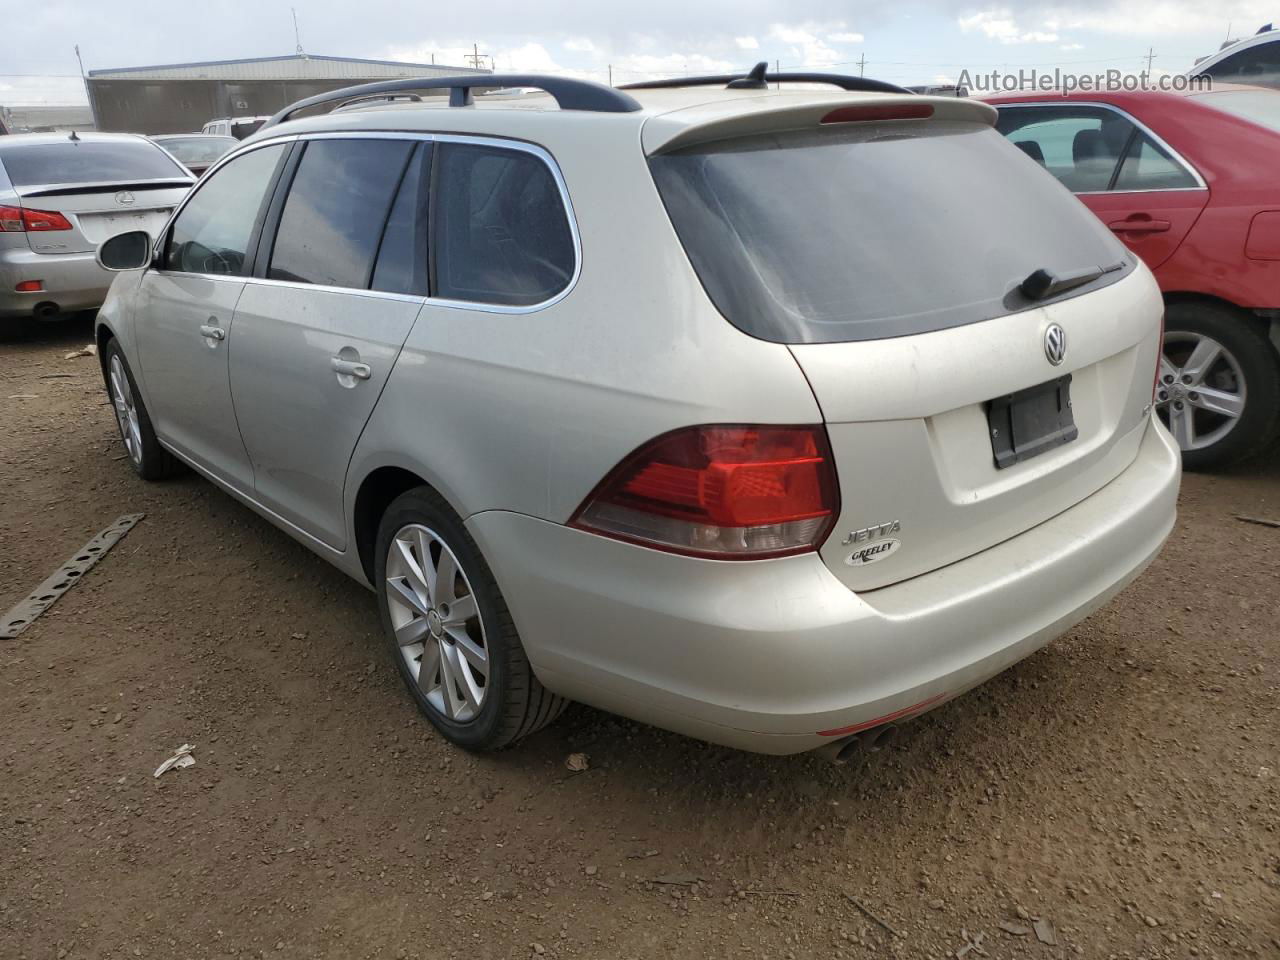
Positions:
{"x": 873, "y": 230}
{"x": 1079, "y": 145}
{"x": 336, "y": 209}
{"x": 1148, "y": 166}
{"x": 501, "y": 232}
{"x": 88, "y": 161}
{"x": 212, "y": 233}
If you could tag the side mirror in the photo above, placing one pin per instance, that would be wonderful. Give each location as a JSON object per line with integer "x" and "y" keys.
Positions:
{"x": 125, "y": 251}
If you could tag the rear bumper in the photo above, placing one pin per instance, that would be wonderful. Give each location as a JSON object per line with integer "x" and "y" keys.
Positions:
{"x": 73, "y": 281}
{"x": 764, "y": 655}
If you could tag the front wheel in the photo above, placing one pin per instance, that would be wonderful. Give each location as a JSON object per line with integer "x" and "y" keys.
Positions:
{"x": 1218, "y": 390}
{"x": 150, "y": 460}
{"x": 450, "y": 632}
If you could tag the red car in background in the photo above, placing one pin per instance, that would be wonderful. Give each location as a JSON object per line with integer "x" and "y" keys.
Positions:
{"x": 1191, "y": 183}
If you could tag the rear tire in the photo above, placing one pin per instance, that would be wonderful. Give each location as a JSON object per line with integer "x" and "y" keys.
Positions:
{"x": 148, "y": 459}
{"x": 450, "y": 632}
{"x": 1242, "y": 377}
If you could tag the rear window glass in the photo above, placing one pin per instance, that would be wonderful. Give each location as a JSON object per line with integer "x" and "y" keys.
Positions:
{"x": 87, "y": 161}
{"x": 1258, "y": 106}
{"x": 874, "y": 230}
{"x": 501, "y": 233}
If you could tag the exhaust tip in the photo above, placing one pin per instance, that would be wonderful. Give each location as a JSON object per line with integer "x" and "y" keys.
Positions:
{"x": 880, "y": 737}
{"x": 46, "y": 310}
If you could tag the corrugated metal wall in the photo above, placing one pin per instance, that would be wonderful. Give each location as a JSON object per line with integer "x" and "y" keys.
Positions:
{"x": 284, "y": 68}
{"x": 181, "y": 99}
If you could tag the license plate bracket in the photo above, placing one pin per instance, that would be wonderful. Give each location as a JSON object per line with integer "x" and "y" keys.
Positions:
{"x": 1030, "y": 422}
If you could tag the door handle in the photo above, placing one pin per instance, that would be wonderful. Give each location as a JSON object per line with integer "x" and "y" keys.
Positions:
{"x": 350, "y": 368}
{"x": 212, "y": 332}
{"x": 1139, "y": 224}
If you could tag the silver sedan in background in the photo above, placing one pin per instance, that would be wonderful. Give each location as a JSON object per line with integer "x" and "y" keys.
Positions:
{"x": 63, "y": 194}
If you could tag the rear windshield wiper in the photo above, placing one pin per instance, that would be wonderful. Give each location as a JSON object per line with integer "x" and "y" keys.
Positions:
{"x": 1042, "y": 284}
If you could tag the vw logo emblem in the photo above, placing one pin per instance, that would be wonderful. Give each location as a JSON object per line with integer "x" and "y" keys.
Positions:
{"x": 124, "y": 198}
{"x": 1055, "y": 344}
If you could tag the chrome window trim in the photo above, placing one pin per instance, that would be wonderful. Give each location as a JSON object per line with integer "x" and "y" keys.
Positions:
{"x": 1177, "y": 158}
{"x": 502, "y": 143}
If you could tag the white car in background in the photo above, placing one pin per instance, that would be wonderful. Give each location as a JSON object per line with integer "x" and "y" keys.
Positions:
{"x": 238, "y": 127}
{"x": 1253, "y": 60}
{"x": 63, "y": 194}
{"x": 707, "y": 403}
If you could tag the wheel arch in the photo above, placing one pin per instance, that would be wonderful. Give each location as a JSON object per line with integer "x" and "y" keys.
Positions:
{"x": 102, "y": 335}
{"x": 1267, "y": 327}
{"x": 377, "y": 490}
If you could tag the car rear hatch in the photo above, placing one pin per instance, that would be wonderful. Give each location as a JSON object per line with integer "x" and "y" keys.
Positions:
{"x": 79, "y": 193}
{"x": 888, "y": 247}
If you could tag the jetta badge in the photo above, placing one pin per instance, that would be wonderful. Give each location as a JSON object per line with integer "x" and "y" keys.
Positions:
{"x": 1055, "y": 344}
{"x": 124, "y": 198}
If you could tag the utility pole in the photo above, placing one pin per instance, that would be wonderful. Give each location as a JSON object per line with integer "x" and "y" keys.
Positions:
{"x": 862, "y": 63}
{"x": 93, "y": 107}
{"x": 297, "y": 37}
{"x": 1151, "y": 55}
{"x": 476, "y": 57}
{"x": 611, "y": 74}
{"x": 777, "y": 68}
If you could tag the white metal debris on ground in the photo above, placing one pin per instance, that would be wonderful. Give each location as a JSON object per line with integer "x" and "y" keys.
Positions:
{"x": 182, "y": 758}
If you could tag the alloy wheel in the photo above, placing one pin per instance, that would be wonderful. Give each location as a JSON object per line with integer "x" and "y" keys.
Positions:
{"x": 1200, "y": 391}
{"x": 437, "y": 622}
{"x": 126, "y": 409}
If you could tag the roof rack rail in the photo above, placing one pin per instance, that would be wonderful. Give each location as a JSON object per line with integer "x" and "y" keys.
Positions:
{"x": 759, "y": 78}
{"x": 569, "y": 93}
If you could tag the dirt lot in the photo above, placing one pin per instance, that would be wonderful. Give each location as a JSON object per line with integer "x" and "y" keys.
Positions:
{"x": 1121, "y": 784}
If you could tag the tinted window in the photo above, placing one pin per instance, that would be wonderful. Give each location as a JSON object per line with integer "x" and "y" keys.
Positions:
{"x": 1148, "y": 166}
{"x": 336, "y": 209}
{"x": 874, "y": 230}
{"x": 198, "y": 149}
{"x": 1081, "y": 146}
{"x": 1260, "y": 64}
{"x": 211, "y": 234}
{"x": 402, "y": 257}
{"x": 501, "y": 231}
{"x": 88, "y": 161}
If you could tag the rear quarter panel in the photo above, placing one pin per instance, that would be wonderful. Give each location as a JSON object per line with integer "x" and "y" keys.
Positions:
{"x": 528, "y": 412}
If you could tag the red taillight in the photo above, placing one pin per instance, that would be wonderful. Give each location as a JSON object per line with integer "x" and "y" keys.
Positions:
{"x": 30, "y": 286}
{"x": 37, "y": 221}
{"x": 18, "y": 219}
{"x": 11, "y": 219}
{"x": 879, "y": 111}
{"x": 732, "y": 492}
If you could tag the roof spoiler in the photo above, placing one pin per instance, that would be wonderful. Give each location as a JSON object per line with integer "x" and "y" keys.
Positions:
{"x": 759, "y": 78}
{"x": 569, "y": 94}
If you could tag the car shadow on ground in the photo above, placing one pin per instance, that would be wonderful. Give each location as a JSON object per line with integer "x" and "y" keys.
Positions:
{"x": 72, "y": 330}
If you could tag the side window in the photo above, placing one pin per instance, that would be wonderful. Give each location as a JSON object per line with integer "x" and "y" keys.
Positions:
{"x": 336, "y": 209}
{"x": 1147, "y": 166}
{"x": 402, "y": 255}
{"x": 500, "y": 230}
{"x": 212, "y": 233}
{"x": 1260, "y": 64}
{"x": 1081, "y": 146}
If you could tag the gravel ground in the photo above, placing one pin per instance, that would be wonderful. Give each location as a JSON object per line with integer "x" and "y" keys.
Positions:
{"x": 1119, "y": 787}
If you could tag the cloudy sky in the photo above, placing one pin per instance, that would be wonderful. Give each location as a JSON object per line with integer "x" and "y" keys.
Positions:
{"x": 918, "y": 41}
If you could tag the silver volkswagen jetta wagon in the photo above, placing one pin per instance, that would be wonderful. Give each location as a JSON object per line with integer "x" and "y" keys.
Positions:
{"x": 770, "y": 410}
